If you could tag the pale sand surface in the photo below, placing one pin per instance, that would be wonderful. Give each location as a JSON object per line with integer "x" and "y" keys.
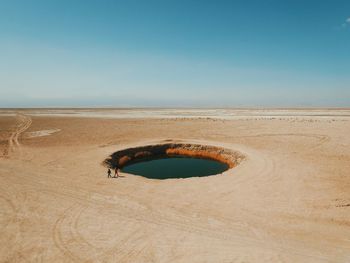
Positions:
{"x": 288, "y": 201}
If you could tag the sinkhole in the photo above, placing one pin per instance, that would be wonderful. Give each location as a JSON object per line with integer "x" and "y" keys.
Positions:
{"x": 174, "y": 160}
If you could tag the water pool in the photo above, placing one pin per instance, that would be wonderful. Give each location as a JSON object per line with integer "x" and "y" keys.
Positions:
{"x": 175, "y": 167}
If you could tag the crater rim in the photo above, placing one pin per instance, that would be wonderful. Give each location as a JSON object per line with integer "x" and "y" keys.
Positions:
{"x": 131, "y": 155}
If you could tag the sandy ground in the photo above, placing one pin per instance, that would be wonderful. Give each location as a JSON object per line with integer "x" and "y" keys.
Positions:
{"x": 288, "y": 201}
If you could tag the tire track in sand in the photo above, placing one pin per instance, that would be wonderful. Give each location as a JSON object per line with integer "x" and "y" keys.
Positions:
{"x": 322, "y": 138}
{"x": 71, "y": 243}
{"x": 23, "y": 123}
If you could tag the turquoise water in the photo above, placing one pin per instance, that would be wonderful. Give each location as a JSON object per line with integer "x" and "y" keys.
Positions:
{"x": 175, "y": 167}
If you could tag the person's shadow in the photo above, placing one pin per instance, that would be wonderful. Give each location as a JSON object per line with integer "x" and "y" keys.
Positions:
{"x": 120, "y": 176}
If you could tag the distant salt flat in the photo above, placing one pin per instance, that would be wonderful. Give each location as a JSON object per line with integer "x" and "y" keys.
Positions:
{"x": 41, "y": 133}
{"x": 225, "y": 114}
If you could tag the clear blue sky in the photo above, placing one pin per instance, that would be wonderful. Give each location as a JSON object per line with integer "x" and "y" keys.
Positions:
{"x": 174, "y": 53}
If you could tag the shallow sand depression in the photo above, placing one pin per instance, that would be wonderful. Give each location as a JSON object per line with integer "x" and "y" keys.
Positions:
{"x": 286, "y": 199}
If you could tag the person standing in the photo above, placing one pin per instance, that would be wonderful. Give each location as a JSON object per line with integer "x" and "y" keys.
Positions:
{"x": 116, "y": 175}
{"x": 109, "y": 172}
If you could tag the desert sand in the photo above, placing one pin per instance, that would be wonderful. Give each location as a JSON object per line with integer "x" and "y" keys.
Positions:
{"x": 287, "y": 201}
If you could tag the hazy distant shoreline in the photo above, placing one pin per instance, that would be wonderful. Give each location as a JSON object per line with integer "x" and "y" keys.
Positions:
{"x": 217, "y": 113}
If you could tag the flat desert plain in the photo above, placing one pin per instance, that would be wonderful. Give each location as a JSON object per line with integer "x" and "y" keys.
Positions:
{"x": 287, "y": 201}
